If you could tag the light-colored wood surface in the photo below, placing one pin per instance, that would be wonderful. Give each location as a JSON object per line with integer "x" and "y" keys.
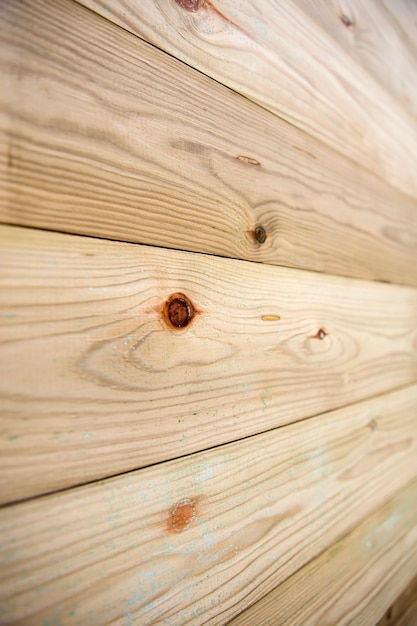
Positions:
{"x": 404, "y": 14}
{"x": 403, "y": 611}
{"x": 196, "y": 540}
{"x": 104, "y": 135}
{"x": 275, "y": 54}
{"x": 371, "y": 33}
{"x": 95, "y": 381}
{"x": 355, "y": 580}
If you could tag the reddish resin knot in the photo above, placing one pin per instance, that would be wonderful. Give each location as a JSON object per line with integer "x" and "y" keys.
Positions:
{"x": 178, "y": 310}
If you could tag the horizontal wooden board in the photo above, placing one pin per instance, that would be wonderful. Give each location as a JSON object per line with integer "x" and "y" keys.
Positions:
{"x": 95, "y": 381}
{"x": 104, "y": 135}
{"x": 372, "y": 34}
{"x": 196, "y": 540}
{"x": 275, "y": 54}
{"x": 355, "y": 580}
{"x": 403, "y": 611}
{"x": 403, "y": 12}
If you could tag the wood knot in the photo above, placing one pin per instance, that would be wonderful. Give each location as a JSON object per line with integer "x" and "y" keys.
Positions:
{"x": 182, "y": 515}
{"x": 346, "y": 21}
{"x": 260, "y": 234}
{"x": 321, "y": 334}
{"x": 189, "y": 5}
{"x": 178, "y": 310}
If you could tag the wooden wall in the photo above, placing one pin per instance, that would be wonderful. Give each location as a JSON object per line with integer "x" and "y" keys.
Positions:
{"x": 208, "y": 312}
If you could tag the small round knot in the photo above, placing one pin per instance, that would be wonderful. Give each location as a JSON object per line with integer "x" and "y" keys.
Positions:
{"x": 321, "y": 334}
{"x": 260, "y": 234}
{"x": 178, "y": 310}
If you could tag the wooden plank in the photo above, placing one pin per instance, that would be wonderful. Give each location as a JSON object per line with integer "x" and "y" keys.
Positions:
{"x": 355, "y": 580}
{"x": 194, "y": 541}
{"x": 275, "y": 54}
{"x": 372, "y": 35}
{"x": 403, "y": 611}
{"x": 104, "y": 135}
{"x": 96, "y": 382}
{"x": 404, "y": 13}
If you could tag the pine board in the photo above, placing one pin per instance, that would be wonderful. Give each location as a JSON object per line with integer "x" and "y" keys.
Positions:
{"x": 196, "y": 540}
{"x": 355, "y": 580}
{"x": 371, "y": 33}
{"x": 96, "y": 382}
{"x": 276, "y": 55}
{"x": 403, "y": 611}
{"x": 404, "y": 14}
{"x": 102, "y": 134}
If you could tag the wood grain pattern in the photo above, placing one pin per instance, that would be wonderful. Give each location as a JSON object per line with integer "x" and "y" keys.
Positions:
{"x": 95, "y": 382}
{"x": 404, "y": 14}
{"x": 102, "y": 134}
{"x": 355, "y": 580}
{"x": 275, "y": 54}
{"x": 403, "y": 611}
{"x": 196, "y": 540}
{"x": 372, "y": 34}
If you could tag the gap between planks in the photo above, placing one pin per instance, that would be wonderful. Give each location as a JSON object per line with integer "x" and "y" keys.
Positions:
{"x": 192, "y": 252}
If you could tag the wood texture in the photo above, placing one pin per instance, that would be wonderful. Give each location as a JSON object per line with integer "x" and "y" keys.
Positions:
{"x": 372, "y": 34}
{"x": 404, "y": 14}
{"x": 102, "y": 134}
{"x": 355, "y": 580}
{"x": 403, "y": 611}
{"x": 275, "y": 54}
{"x": 95, "y": 382}
{"x": 196, "y": 540}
